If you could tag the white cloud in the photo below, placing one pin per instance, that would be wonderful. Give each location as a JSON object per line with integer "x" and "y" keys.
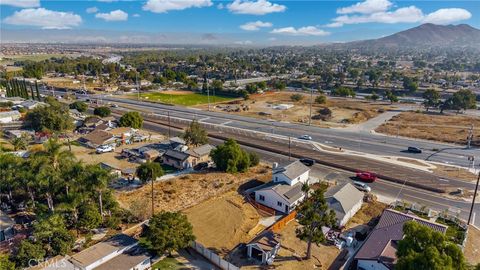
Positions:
{"x": 302, "y": 31}
{"x": 259, "y": 7}
{"x": 92, "y": 10}
{"x": 447, "y": 15}
{"x": 377, "y": 11}
{"x": 255, "y": 26}
{"x": 366, "y": 7}
{"x": 162, "y": 6}
{"x": 115, "y": 15}
{"x": 21, "y": 3}
{"x": 44, "y": 18}
{"x": 136, "y": 15}
{"x": 107, "y": 1}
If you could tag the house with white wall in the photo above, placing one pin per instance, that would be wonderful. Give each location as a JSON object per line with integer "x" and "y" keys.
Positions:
{"x": 345, "y": 200}
{"x": 284, "y": 192}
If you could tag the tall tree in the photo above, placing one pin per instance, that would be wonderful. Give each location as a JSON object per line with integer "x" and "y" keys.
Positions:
{"x": 195, "y": 134}
{"x": 168, "y": 231}
{"x": 229, "y": 157}
{"x": 314, "y": 214}
{"x": 53, "y": 235}
{"x": 96, "y": 181}
{"x": 431, "y": 98}
{"x": 131, "y": 119}
{"x": 149, "y": 171}
{"x": 424, "y": 248}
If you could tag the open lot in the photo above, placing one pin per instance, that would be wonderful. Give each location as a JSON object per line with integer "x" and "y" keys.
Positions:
{"x": 367, "y": 214}
{"x": 432, "y": 126}
{"x": 344, "y": 111}
{"x": 184, "y": 98}
{"x": 221, "y": 223}
{"x": 472, "y": 246}
{"x": 188, "y": 190}
{"x": 69, "y": 83}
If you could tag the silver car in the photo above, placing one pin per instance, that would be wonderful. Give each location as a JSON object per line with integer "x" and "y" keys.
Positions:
{"x": 362, "y": 186}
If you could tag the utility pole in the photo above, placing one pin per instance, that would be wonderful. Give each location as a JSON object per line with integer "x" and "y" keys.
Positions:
{"x": 153, "y": 205}
{"x": 289, "y": 147}
{"x": 470, "y": 136}
{"x": 168, "y": 115}
{"x": 311, "y": 101}
{"x": 473, "y": 200}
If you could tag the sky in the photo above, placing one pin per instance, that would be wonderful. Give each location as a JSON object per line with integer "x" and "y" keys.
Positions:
{"x": 242, "y": 22}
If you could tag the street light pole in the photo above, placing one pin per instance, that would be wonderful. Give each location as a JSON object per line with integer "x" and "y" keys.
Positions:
{"x": 473, "y": 201}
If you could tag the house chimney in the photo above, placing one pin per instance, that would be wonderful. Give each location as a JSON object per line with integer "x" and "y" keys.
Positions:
{"x": 275, "y": 165}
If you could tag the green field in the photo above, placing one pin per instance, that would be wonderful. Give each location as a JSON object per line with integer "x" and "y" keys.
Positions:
{"x": 184, "y": 100}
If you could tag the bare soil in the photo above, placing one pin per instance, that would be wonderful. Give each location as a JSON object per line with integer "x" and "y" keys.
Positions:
{"x": 454, "y": 172}
{"x": 432, "y": 126}
{"x": 344, "y": 111}
{"x": 472, "y": 246}
{"x": 368, "y": 212}
{"x": 185, "y": 191}
{"x": 221, "y": 223}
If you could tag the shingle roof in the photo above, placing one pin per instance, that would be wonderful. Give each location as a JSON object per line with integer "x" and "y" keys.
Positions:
{"x": 292, "y": 170}
{"x": 176, "y": 155}
{"x": 381, "y": 243}
{"x": 5, "y": 220}
{"x": 266, "y": 241}
{"x": 97, "y": 137}
{"x": 126, "y": 261}
{"x": 290, "y": 193}
{"x": 94, "y": 253}
{"x": 201, "y": 150}
{"x": 342, "y": 198}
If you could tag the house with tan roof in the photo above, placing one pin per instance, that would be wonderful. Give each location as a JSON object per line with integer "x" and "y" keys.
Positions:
{"x": 345, "y": 200}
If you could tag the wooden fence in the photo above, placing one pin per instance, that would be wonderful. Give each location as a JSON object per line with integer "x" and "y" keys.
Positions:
{"x": 280, "y": 224}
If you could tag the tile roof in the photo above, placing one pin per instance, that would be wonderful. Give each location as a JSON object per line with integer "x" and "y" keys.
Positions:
{"x": 94, "y": 253}
{"x": 292, "y": 170}
{"x": 381, "y": 243}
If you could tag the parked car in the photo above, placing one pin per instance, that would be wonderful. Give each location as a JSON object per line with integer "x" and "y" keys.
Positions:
{"x": 366, "y": 176}
{"x": 307, "y": 161}
{"x": 105, "y": 149}
{"x": 114, "y": 105}
{"x": 362, "y": 186}
{"x": 305, "y": 137}
{"x": 201, "y": 166}
{"x": 415, "y": 150}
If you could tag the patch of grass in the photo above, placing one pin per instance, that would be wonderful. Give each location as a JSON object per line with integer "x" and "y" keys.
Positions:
{"x": 184, "y": 100}
{"x": 168, "y": 263}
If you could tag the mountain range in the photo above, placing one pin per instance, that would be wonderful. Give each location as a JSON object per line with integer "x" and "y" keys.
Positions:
{"x": 428, "y": 35}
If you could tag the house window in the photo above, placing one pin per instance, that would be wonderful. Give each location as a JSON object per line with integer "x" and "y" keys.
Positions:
{"x": 276, "y": 178}
{"x": 279, "y": 204}
{"x": 261, "y": 197}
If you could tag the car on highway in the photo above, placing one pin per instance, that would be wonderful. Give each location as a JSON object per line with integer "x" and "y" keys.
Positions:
{"x": 415, "y": 150}
{"x": 114, "y": 105}
{"x": 104, "y": 149}
{"x": 305, "y": 137}
{"x": 366, "y": 176}
{"x": 362, "y": 186}
{"x": 307, "y": 161}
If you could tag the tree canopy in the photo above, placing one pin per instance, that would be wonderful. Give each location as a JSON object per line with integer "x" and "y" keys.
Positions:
{"x": 53, "y": 118}
{"x": 424, "y": 248}
{"x": 314, "y": 214}
{"x": 131, "y": 119}
{"x": 167, "y": 232}
{"x": 102, "y": 111}
{"x": 195, "y": 134}
{"x": 79, "y": 106}
{"x": 229, "y": 157}
{"x": 149, "y": 171}
{"x": 343, "y": 91}
{"x": 431, "y": 98}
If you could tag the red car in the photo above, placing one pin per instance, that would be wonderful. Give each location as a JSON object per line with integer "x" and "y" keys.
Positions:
{"x": 367, "y": 176}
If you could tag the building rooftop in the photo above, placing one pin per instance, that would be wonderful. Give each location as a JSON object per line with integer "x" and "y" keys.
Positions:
{"x": 5, "y": 221}
{"x": 342, "y": 198}
{"x": 178, "y": 155}
{"x": 127, "y": 260}
{"x": 94, "y": 253}
{"x": 289, "y": 193}
{"x": 97, "y": 137}
{"x": 292, "y": 170}
{"x": 201, "y": 151}
{"x": 381, "y": 244}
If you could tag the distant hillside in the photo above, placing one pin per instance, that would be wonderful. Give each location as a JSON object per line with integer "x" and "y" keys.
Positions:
{"x": 429, "y": 35}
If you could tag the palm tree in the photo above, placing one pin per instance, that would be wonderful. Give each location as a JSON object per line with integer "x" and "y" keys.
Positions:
{"x": 54, "y": 153}
{"x": 306, "y": 189}
{"x": 9, "y": 171}
{"x": 149, "y": 171}
{"x": 96, "y": 181}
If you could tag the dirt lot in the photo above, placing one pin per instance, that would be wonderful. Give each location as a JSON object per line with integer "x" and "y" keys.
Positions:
{"x": 68, "y": 83}
{"x": 367, "y": 213}
{"x": 221, "y": 223}
{"x": 472, "y": 246}
{"x": 454, "y": 172}
{"x": 188, "y": 190}
{"x": 344, "y": 111}
{"x": 435, "y": 127}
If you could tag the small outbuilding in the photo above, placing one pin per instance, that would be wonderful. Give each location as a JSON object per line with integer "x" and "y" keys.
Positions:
{"x": 264, "y": 248}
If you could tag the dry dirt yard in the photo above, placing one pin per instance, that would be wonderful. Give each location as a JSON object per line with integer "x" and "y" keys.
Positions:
{"x": 188, "y": 190}
{"x": 344, "y": 111}
{"x": 436, "y": 127}
{"x": 68, "y": 83}
{"x": 368, "y": 212}
{"x": 222, "y": 222}
{"x": 472, "y": 246}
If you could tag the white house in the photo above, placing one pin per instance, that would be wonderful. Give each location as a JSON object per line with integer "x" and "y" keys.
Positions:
{"x": 121, "y": 252}
{"x": 284, "y": 192}
{"x": 264, "y": 248}
{"x": 345, "y": 200}
{"x": 10, "y": 116}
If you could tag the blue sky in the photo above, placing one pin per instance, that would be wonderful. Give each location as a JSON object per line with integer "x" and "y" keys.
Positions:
{"x": 246, "y": 21}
